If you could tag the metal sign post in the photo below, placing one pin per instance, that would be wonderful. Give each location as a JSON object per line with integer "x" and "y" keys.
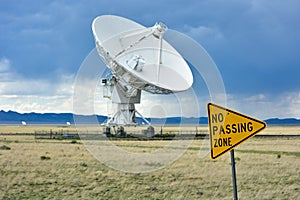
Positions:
{"x": 235, "y": 194}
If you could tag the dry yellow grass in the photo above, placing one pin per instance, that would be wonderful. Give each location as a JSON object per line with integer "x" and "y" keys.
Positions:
{"x": 282, "y": 130}
{"x": 271, "y": 129}
{"x": 6, "y": 129}
{"x": 63, "y": 169}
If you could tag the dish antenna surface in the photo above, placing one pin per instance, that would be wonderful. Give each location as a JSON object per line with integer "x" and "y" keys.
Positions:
{"x": 139, "y": 59}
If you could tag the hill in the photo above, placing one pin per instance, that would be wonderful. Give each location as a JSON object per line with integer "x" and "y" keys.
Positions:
{"x": 12, "y": 117}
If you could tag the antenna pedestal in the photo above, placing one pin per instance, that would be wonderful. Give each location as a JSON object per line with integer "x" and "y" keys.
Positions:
{"x": 124, "y": 97}
{"x": 125, "y": 115}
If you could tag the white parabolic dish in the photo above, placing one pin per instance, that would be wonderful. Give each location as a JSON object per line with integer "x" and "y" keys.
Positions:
{"x": 138, "y": 55}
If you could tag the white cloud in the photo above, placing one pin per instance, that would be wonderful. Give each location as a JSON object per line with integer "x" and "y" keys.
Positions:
{"x": 5, "y": 70}
{"x": 203, "y": 33}
{"x": 290, "y": 104}
{"x": 23, "y": 94}
{"x": 21, "y": 86}
{"x": 263, "y": 106}
{"x": 36, "y": 103}
{"x": 4, "y": 65}
{"x": 256, "y": 98}
{"x": 172, "y": 105}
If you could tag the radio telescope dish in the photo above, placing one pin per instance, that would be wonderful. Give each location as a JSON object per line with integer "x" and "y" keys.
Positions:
{"x": 139, "y": 59}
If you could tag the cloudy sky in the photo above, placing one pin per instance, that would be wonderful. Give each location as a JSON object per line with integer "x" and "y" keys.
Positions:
{"x": 254, "y": 43}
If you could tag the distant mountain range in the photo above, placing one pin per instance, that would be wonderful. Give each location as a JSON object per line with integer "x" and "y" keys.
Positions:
{"x": 11, "y": 117}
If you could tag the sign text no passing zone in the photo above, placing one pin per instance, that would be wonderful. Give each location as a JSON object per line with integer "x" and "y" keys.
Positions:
{"x": 229, "y": 128}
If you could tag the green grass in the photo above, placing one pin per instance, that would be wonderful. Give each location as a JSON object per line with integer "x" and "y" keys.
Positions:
{"x": 4, "y": 147}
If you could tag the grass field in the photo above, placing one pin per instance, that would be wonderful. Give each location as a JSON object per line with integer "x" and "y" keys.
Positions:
{"x": 272, "y": 129}
{"x": 65, "y": 169}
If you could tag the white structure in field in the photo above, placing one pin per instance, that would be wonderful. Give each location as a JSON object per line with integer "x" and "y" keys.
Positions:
{"x": 139, "y": 59}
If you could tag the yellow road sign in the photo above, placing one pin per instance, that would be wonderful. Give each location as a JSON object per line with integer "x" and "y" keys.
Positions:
{"x": 229, "y": 128}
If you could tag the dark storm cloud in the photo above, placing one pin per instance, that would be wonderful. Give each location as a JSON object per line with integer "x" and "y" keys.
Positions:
{"x": 255, "y": 43}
